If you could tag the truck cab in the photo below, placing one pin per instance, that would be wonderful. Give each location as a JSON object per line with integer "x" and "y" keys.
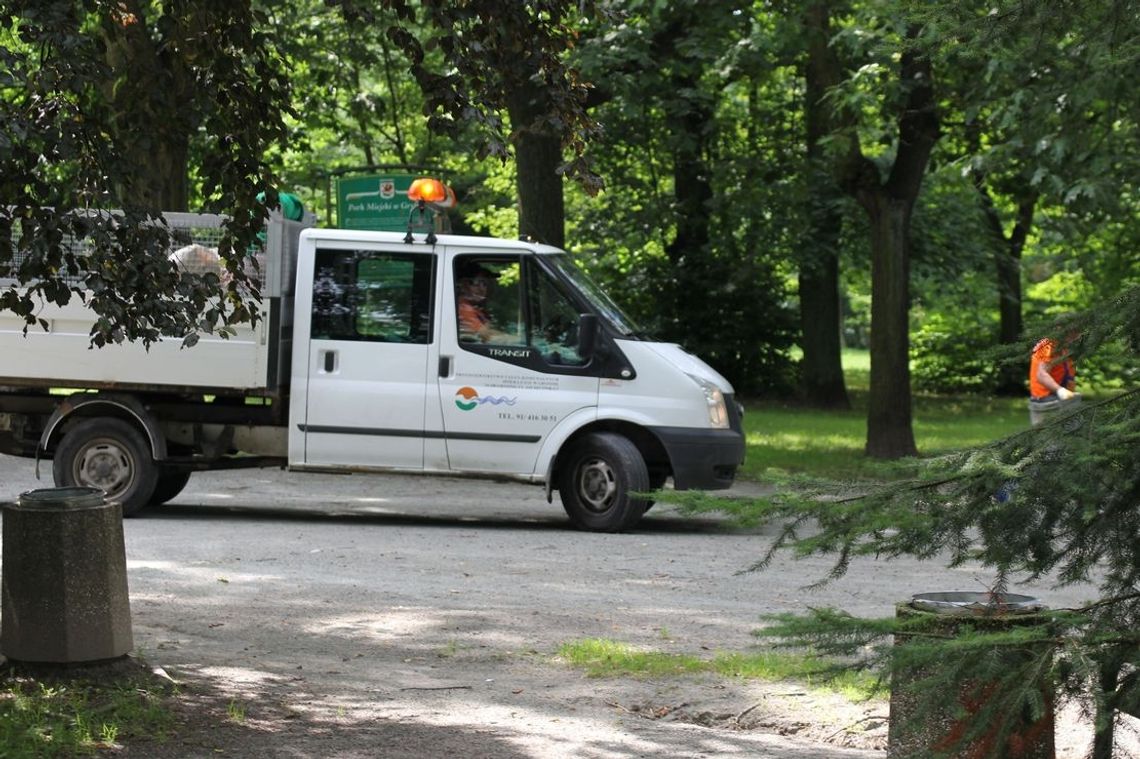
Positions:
{"x": 495, "y": 358}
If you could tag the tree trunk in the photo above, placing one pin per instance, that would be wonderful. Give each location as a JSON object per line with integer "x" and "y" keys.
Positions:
{"x": 152, "y": 97}
{"x": 1105, "y": 718}
{"x": 538, "y": 154}
{"x": 692, "y": 206}
{"x": 1007, "y": 261}
{"x": 158, "y": 178}
{"x": 1011, "y": 381}
{"x": 889, "y": 205}
{"x": 889, "y": 431}
{"x": 821, "y": 370}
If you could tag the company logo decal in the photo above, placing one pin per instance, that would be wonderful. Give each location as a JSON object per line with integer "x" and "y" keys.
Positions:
{"x": 467, "y": 398}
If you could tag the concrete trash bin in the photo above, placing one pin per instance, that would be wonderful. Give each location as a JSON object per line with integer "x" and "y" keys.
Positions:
{"x": 940, "y": 731}
{"x": 64, "y": 581}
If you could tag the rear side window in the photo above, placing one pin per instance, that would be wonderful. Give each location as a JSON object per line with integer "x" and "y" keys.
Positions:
{"x": 375, "y": 297}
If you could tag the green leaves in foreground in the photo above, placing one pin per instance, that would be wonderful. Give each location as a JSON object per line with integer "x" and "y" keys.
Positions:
{"x": 1060, "y": 501}
{"x": 986, "y": 682}
{"x": 1060, "y": 498}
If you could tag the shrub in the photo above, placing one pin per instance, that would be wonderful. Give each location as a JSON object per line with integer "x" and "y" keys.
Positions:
{"x": 951, "y": 353}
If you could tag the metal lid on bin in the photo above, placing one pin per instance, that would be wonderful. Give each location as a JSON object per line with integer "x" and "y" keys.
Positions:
{"x": 60, "y": 499}
{"x": 971, "y": 604}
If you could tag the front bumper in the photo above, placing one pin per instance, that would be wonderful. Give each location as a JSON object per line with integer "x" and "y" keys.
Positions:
{"x": 702, "y": 459}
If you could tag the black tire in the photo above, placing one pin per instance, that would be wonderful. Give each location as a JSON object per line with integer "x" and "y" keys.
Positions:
{"x": 657, "y": 481}
{"x": 108, "y": 454}
{"x": 169, "y": 485}
{"x": 595, "y": 481}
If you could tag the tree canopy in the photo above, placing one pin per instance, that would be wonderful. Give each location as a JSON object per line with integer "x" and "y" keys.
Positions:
{"x": 923, "y": 179}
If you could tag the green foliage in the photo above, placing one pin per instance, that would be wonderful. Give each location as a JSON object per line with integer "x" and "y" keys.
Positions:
{"x": 692, "y": 232}
{"x": 66, "y": 148}
{"x": 950, "y": 353}
{"x": 66, "y": 717}
{"x": 1114, "y": 365}
{"x": 489, "y": 52}
{"x": 105, "y": 106}
{"x": 1087, "y": 500}
{"x": 607, "y": 658}
{"x": 956, "y": 681}
{"x": 1057, "y": 501}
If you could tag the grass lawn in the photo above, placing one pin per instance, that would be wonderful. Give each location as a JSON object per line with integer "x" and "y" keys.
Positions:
{"x": 785, "y": 439}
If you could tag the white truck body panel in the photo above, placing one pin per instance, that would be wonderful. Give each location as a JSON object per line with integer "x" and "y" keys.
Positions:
{"x": 62, "y": 357}
{"x": 249, "y": 361}
{"x": 662, "y": 394}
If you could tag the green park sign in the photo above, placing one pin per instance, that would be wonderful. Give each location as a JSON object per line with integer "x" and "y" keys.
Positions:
{"x": 376, "y": 202}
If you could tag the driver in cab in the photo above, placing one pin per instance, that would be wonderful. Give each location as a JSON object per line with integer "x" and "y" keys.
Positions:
{"x": 475, "y": 324}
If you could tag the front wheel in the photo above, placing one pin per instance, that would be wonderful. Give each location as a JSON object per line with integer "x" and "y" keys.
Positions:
{"x": 108, "y": 454}
{"x": 596, "y": 480}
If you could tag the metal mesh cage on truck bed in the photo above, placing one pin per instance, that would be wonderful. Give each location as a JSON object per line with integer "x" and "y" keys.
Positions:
{"x": 195, "y": 241}
{"x": 255, "y": 359}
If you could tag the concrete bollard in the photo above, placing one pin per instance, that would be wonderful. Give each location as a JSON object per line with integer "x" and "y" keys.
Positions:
{"x": 64, "y": 581}
{"x": 941, "y": 730}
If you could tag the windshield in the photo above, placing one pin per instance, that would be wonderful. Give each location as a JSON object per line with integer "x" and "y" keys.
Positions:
{"x": 597, "y": 297}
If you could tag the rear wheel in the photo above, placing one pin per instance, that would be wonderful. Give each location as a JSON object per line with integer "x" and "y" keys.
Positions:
{"x": 170, "y": 484}
{"x": 108, "y": 454}
{"x": 595, "y": 482}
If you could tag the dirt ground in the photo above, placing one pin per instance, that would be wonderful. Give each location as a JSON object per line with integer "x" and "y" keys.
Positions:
{"x": 682, "y": 717}
{"x": 346, "y": 616}
{"x": 688, "y": 717}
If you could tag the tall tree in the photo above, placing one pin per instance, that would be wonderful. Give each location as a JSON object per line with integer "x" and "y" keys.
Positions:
{"x": 1008, "y": 249}
{"x": 887, "y": 191}
{"x": 155, "y": 109}
{"x": 821, "y": 370}
{"x": 1039, "y": 136}
{"x": 509, "y": 58}
{"x": 66, "y": 146}
{"x": 691, "y": 224}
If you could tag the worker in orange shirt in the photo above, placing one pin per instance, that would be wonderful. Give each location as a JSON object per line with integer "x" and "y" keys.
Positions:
{"x": 1051, "y": 373}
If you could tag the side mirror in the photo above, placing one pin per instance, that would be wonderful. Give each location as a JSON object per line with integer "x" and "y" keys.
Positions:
{"x": 587, "y": 335}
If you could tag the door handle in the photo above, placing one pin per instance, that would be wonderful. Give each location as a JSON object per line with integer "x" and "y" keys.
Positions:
{"x": 445, "y": 366}
{"x": 330, "y": 362}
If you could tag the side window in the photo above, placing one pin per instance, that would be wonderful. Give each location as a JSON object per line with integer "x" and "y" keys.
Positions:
{"x": 494, "y": 306}
{"x": 376, "y": 297}
{"x": 488, "y": 301}
{"x": 553, "y": 320}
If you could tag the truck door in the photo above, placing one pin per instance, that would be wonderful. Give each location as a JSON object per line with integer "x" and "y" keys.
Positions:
{"x": 509, "y": 369}
{"x": 372, "y": 329}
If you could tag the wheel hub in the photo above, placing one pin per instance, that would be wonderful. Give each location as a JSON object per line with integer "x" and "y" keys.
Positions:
{"x": 104, "y": 466}
{"x": 597, "y": 484}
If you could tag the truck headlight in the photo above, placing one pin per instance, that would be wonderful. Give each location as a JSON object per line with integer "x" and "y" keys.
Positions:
{"x": 718, "y": 411}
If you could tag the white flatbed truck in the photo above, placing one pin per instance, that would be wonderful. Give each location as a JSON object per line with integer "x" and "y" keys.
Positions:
{"x": 362, "y": 362}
